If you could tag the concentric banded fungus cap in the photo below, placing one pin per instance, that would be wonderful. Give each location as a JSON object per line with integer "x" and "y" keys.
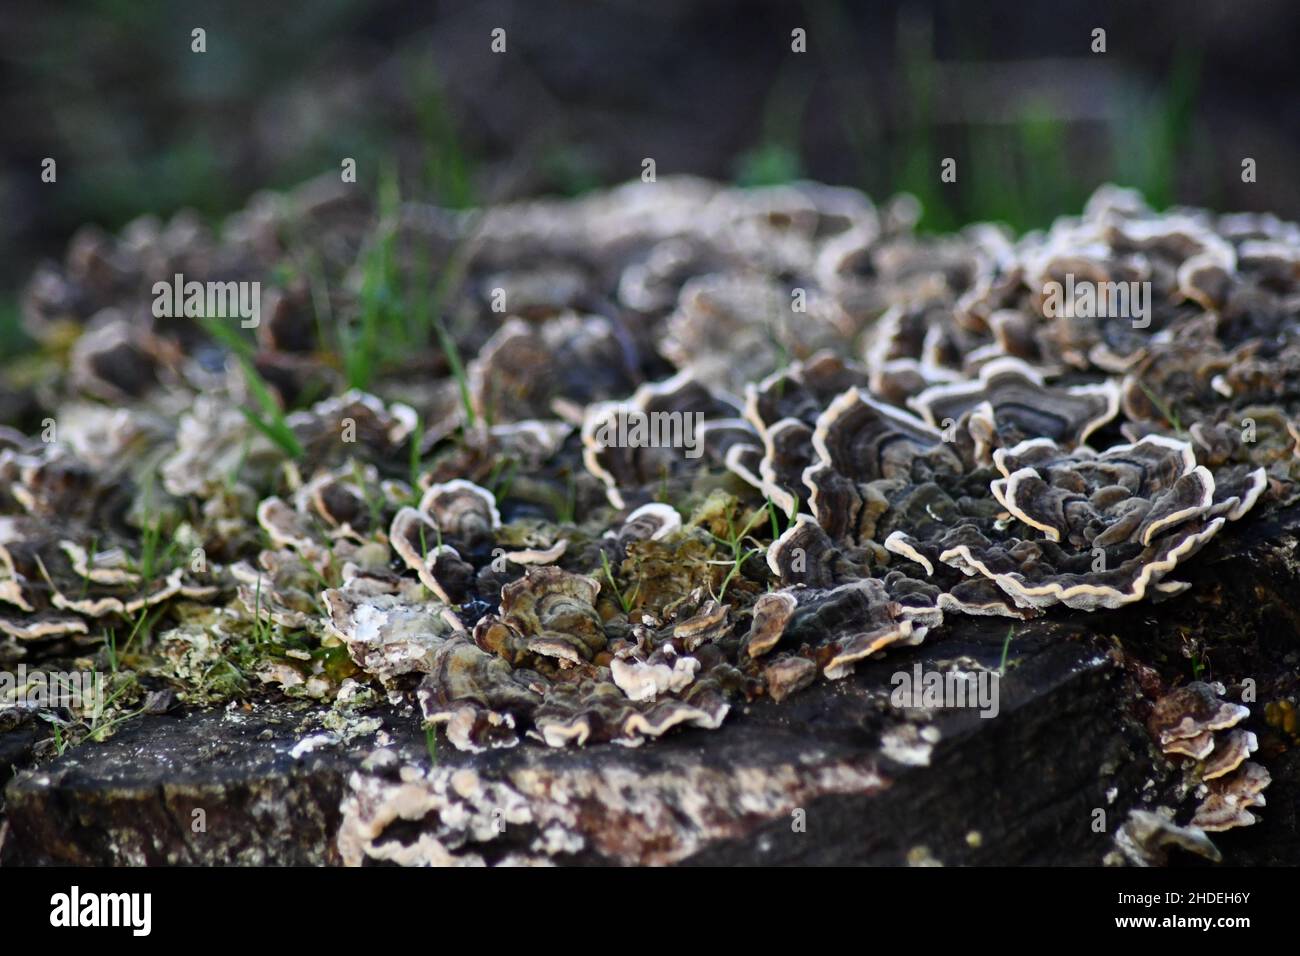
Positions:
{"x": 281, "y": 589}
{"x": 804, "y": 554}
{"x": 476, "y": 695}
{"x": 744, "y": 460}
{"x": 788, "y": 675}
{"x": 1231, "y": 748}
{"x": 917, "y": 600}
{"x": 1146, "y": 838}
{"x": 981, "y": 597}
{"x": 1143, "y": 468}
{"x": 646, "y": 676}
{"x": 710, "y": 623}
{"x": 462, "y": 511}
{"x": 718, "y": 437}
{"x": 109, "y": 567}
{"x": 923, "y": 511}
{"x": 1237, "y": 490}
{"x": 535, "y": 555}
{"x": 389, "y": 629}
{"x": 654, "y": 437}
{"x": 864, "y": 440}
{"x": 906, "y": 353}
{"x": 57, "y": 486}
{"x": 734, "y": 329}
{"x": 1148, "y": 495}
{"x": 800, "y": 391}
{"x": 353, "y": 418}
{"x": 523, "y": 370}
{"x": 286, "y": 527}
{"x": 1187, "y": 712}
{"x": 126, "y": 605}
{"x": 1107, "y": 516}
{"x": 1039, "y": 574}
{"x": 413, "y": 535}
{"x": 772, "y": 614}
{"x": 836, "y": 501}
{"x": 213, "y": 440}
{"x": 554, "y": 613}
{"x": 1198, "y": 748}
{"x": 57, "y": 587}
{"x": 12, "y": 582}
{"x": 1207, "y": 279}
{"x": 788, "y": 453}
{"x": 650, "y": 522}
{"x": 652, "y": 285}
{"x": 42, "y": 626}
{"x": 112, "y": 361}
{"x": 590, "y": 711}
{"x": 1022, "y": 404}
{"x": 337, "y": 499}
{"x": 842, "y": 625}
{"x": 1230, "y": 797}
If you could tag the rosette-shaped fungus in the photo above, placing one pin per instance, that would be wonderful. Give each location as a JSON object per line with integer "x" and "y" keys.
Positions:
{"x": 656, "y": 436}
{"x": 548, "y": 613}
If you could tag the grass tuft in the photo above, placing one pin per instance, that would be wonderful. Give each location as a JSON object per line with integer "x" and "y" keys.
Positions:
{"x": 1006, "y": 647}
{"x": 624, "y": 602}
{"x": 269, "y": 417}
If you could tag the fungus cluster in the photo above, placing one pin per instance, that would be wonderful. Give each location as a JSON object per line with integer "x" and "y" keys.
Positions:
{"x": 1196, "y": 723}
{"x": 876, "y": 433}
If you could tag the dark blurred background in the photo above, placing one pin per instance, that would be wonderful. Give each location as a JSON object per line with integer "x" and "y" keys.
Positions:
{"x": 588, "y": 88}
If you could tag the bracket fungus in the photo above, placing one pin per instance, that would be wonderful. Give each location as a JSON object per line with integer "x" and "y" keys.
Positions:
{"x": 1196, "y": 722}
{"x": 722, "y": 443}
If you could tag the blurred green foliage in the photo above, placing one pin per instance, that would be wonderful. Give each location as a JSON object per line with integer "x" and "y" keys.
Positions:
{"x": 12, "y": 338}
{"x": 161, "y": 147}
